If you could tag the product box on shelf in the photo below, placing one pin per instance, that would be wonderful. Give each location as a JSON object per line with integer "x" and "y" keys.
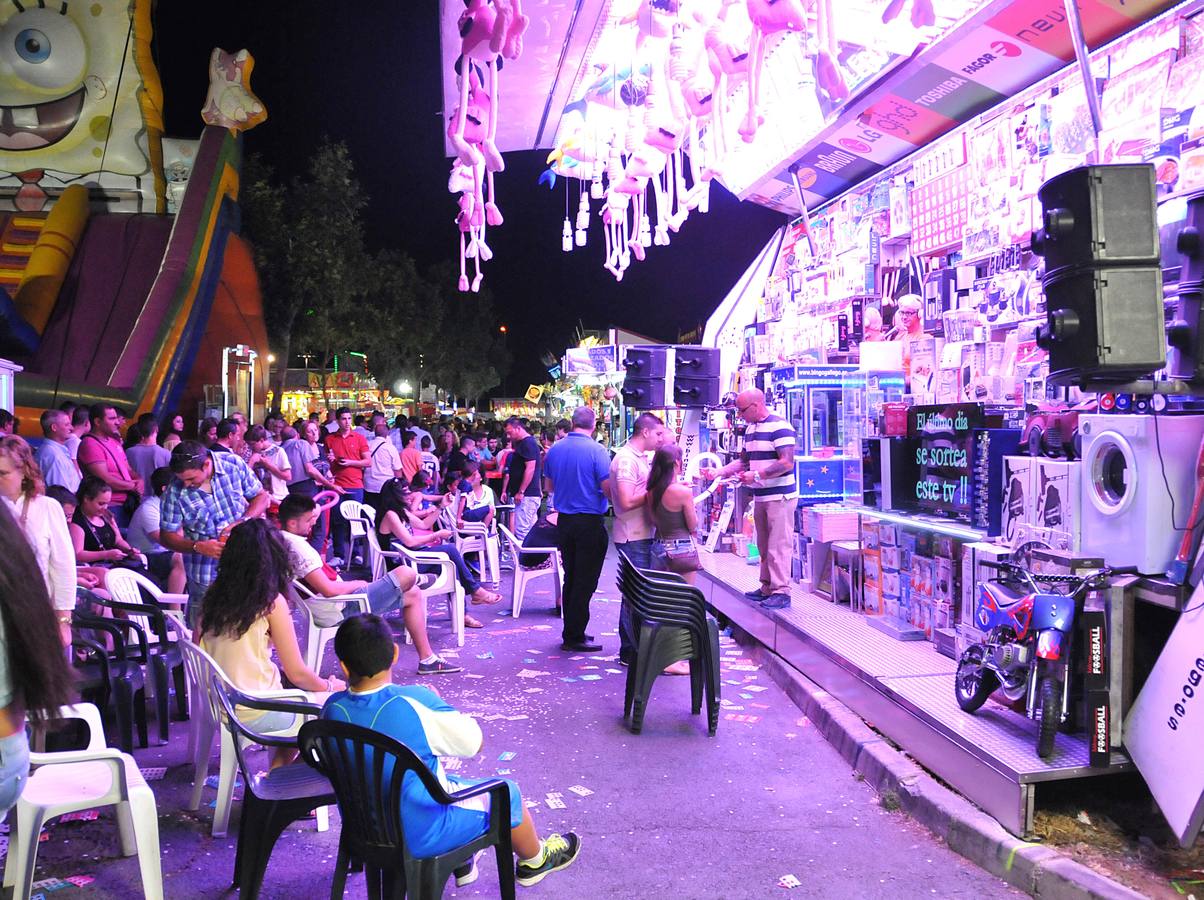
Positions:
{"x": 873, "y": 599}
{"x": 1099, "y": 728}
{"x": 890, "y": 558}
{"x": 1031, "y": 537}
{"x": 1058, "y": 489}
{"x": 889, "y": 535}
{"x": 1048, "y": 561}
{"x": 870, "y": 534}
{"x": 890, "y": 585}
{"x": 1019, "y": 501}
{"x": 942, "y": 580}
{"x": 922, "y": 577}
{"x": 871, "y": 566}
{"x": 973, "y": 555}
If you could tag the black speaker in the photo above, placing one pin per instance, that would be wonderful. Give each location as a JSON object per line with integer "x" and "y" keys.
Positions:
{"x": 1104, "y": 324}
{"x": 1098, "y": 215}
{"x": 643, "y": 393}
{"x": 690, "y": 391}
{"x": 651, "y": 361}
{"x": 696, "y": 362}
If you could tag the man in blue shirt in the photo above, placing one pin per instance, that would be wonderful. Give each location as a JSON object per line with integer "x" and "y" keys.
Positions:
{"x": 422, "y": 721}
{"x": 579, "y": 469}
{"x": 211, "y": 493}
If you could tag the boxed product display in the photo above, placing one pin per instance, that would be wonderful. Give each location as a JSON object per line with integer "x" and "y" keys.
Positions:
{"x": 1058, "y": 489}
{"x": 973, "y": 572}
{"x": 1019, "y": 502}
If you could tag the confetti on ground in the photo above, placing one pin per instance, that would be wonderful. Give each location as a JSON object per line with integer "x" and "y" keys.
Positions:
{"x": 732, "y": 681}
{"x": 534, "y": 651}
{"x": 212, "y": 780}
{"x": 452, "y": 763}
{"x": 507, "y": 756}
{"x": 80, "y": 880}
{"x": 788, "y": 881}
{"x": 746, "y": 719}
{"x": 575, "y": 658}
{"x": 803, "y": 722}
{"x": 755, "y": 687}
{"x": 555, "y": 801}
{"x": 488, "y": 654}
{"x": 589, "y": 667}
{"x": 758, "y": 706}
{"x": 529, "y": 659}
{"x": 533, "y": 691}
{"x": 591, "y": 677}
{"x": 503, "y": 771}
{"x": 580, "y": 790}
{"x": 745, "y": 668}
{"x": 472, "y": 675}
{"x": 568, "y": 678}
{"x": 529, "y": 803}
{"x": 84, "y": 815}
{"x": 531, "y": 673}
{"x": 746, "y": 696}
{"x": 615, "y": 671}
{"x": 153, "y": 773}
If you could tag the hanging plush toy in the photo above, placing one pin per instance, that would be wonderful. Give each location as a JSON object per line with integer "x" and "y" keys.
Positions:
{"x": 230, "y": 103}
{"x": 768, "y": 17}
{"x": 727, "y": 56}
{"x": 828, "y": 77}
{"x": 479, "y": 28}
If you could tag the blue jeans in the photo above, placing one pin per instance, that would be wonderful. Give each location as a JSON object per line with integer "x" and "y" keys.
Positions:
{"x": 467, "y": 579}
{"x": 340, "y": 528}
{"x": 640, "y": 554}
{"x": 14, "y": 770}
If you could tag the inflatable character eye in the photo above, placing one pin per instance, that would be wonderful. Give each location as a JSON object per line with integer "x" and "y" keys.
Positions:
{"x": 44, "y": 48}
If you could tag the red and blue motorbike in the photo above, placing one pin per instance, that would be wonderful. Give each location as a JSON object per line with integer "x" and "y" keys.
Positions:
{"x": 1025, "y": 653}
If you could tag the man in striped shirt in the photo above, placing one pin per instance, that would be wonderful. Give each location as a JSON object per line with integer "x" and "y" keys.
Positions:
{"x": 767, "y": 466}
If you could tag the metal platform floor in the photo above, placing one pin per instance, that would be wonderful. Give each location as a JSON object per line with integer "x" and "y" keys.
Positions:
{"x": 905, "y": 690}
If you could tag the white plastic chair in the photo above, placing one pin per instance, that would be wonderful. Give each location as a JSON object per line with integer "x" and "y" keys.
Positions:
{"x": 75, "y": 780}
{"x": 446, "y": 580}
{"x": 352, "y": 511}
{"x": 124, "y": 585}
{"x": 318, "y": 636}
{"x": 479, "y": 539}
{"x": 523, "y": 577}
{"x": 201, "y": 670}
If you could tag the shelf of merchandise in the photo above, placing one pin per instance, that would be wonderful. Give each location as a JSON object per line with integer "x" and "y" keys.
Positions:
{"x": 906, "y": 691}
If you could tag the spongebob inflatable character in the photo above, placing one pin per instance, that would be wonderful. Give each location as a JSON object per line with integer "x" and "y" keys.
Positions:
{"x": 80, "y": 103}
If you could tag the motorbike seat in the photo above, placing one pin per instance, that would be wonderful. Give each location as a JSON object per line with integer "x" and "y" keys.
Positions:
{"x": 1005, "y": 594}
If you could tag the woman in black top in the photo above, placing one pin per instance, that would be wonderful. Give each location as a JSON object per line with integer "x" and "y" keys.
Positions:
{"x": 94, "y": 533}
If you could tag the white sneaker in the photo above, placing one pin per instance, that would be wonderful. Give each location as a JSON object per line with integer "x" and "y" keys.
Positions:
{"x": 470, "y": 871}
{"x": 335, "y": 562}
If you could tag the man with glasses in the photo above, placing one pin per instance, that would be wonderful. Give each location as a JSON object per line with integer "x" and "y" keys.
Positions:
{"x": 210, "y": 495}
{"x": 767, "y": 467}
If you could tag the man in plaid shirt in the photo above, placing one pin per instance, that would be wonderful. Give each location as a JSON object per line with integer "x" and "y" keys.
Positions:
{"x": 211, "y": 493}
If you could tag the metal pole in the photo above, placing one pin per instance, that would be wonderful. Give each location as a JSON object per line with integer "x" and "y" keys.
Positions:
{"x": 1083, "y": 57}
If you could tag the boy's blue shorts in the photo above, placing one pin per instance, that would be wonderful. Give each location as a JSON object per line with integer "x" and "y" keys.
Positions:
{"x": 460, "y": 826}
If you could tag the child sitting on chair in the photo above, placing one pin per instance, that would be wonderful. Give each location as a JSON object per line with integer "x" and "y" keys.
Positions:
{"x": 420, "y": 719}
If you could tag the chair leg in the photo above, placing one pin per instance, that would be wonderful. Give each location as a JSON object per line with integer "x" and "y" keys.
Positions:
{"x": 261, "y": 826}
{"x": 225, "y": 786}
{"x": 457, "y": 605}
{"x": 341, "y": 864}
{"x": 181, "y": 684}
{"x": 505, "y": 871}
{"x": 516, "y": 590}
{"x": 125, "y": 829}
{"x": 695, "y": 685}
{"x": 140, "y": 717}
{"x": 123, "y": 705}
{"x": 205, "y": 730}
{"x": 23, "y": 849}
{"x": 162, "y": 698}
{"x": 146, "y": 832}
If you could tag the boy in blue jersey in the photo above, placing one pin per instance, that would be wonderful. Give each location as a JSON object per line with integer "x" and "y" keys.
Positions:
{"x": 424, "y": 722}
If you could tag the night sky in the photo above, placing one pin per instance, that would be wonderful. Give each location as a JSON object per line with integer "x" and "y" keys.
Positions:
{"x": 368, "y": 73}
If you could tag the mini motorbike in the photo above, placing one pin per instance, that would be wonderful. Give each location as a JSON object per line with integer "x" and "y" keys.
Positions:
{"x": 1028, "y": 621}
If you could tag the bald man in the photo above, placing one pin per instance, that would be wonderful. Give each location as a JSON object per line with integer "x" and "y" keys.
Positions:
{"x": 767, "y": 466}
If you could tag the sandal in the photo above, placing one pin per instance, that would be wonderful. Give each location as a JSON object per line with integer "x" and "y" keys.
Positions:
{"x": 489, "y": 598}
{"x": 470, "y": 622}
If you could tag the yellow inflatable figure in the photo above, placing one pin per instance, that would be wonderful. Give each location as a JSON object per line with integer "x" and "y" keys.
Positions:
{"x": 80, "y": 102}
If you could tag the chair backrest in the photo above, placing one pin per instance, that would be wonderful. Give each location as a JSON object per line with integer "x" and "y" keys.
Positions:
{"x": 84, "y": 712}
{"x": 368, "y": 512}
{"x": 367, "y": 770}
{"x": 226, "y": 698}
{"x": 202, "y": 669}
{"x": 126, "y": 586}
{"x": 350, "y": 509}
{"x": 376, "y": 558}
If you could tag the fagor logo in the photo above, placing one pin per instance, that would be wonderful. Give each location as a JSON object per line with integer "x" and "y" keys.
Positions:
{"x": 999, "y": 50}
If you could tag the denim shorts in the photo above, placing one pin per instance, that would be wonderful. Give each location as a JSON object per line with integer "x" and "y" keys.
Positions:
{"x": 14, "y": 769}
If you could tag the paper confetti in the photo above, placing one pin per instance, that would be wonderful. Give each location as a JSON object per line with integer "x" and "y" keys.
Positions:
{"x": 503, "y": 771}
{"x": 533, "y": 691}
{"x": 757, "y": 688}
{"x": 568, "y": 678}
{"x": 530, "y": 803}
{"x": 789, "y": 881}
{"x": 488, "y": 654}
{"x": 746, "y": 696}
{"x": 529, "y": 659}
{"x": 555, "y": 801}
{"x": 451, "y": 764}
{"x": 531, "y": 673}
{"x": 591, "y": 677}
{"x": 614, "y": 671}
{"x": 507, "y": 756}
{"x": 84, "y": 815}
{"x": 748, "y": 720}
{"x": 80, "y": 880}
{"x": 472, "y": 675}
{"x": 580, "y": 790}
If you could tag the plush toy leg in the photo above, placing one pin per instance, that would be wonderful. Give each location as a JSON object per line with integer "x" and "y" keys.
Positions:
{"x": 493, "y": 158}
{"x": 660, "y": 235}
{"x": 753, "y": 120}
{"x": 493, "y": 215}
{"x": 827, "y": 72}
{"x": 922, "y": 14}
{"x": 463, "y": 283}
{"x": 633, "y": 238}
{"x": 468, "y": 154}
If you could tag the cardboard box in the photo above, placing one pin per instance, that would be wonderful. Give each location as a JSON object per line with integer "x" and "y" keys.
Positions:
{"x": 1057, "y": 487}
{"x": 890, "y": 585}
{"x": 871, "y": 534}
{"x": 890, "y": 558}
{"x": 1099, "y": 728}
{"x": 1019, "y": 500}
{"x": 973, "y": 555}
{"x": 871, "y": 567}
{"x": 889, "y": 535}
{"x": 942, "y": 581}
{"x": 873, "y": 600}
{"x": 942, "y": 616}
{"x": 921, "y": 577}
{"x": 967, "y": 635}
{"x": 1032, "y": 537}
{"x": 1094, "y": 623}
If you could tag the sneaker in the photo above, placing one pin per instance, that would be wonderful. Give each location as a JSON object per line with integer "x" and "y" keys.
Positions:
{"x": 336, "y": 562}
{"x": 469, "y": 872}
{"x": 755, "y": 596}
{"x": 559, "y": 853}
{"x": 438, "y": 667}
{"x": 426, "y": 580}
{"x": 776, "y": 601}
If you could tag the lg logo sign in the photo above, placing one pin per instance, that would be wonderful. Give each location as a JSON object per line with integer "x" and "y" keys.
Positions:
{"x": 999, "y": 50}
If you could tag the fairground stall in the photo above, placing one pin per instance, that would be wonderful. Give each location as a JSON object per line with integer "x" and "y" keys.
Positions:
{"x": 981, "y": 316}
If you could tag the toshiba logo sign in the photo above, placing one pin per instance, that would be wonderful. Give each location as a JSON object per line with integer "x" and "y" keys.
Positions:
{"x": 999, "y": 50}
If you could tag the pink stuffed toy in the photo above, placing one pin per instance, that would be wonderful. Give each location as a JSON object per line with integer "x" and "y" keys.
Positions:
{"x": 768, "y": 17}
{"x": 479, "y": 28}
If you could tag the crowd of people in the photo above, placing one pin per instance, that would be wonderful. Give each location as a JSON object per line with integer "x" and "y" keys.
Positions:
{"x": 245, "y": 522}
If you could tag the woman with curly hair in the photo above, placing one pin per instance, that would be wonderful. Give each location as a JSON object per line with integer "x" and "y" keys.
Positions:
{"x": 244, "y": 616}
{"x": 45, "y": 526}
{"x": 34, "y": 678}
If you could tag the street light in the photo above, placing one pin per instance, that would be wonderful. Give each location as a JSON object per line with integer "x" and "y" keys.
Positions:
{"x": 403, "y": 388}
{"x": 504, "y": 329}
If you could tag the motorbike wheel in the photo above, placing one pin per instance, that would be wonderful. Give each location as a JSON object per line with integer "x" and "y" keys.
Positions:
{"x": 1049, "y": 696}
{"x": 973, "y": 683}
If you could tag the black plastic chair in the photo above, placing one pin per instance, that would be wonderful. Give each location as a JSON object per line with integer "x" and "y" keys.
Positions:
{"x": 121, "y": 667}
{"x": 671, "y": 623}
{"x": 367, "y": 769}
{"x": 273, "y": 801}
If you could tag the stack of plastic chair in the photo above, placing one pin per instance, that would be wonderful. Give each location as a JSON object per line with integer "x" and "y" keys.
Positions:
{"x": 671, "y": 624}
{"x": 524, "y": 577}
{"x": 75, "y": 780}
{"x": 270, "y": 801}
{"x": 202, "y": 670}
{"x": 317, "y": 636}
{"x": 367, "y": 769}
{"x": 163, "y": 633}
{"x": 121, "y": 667}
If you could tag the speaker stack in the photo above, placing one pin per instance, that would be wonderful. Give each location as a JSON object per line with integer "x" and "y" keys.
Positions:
{"x": 663, "y": 376}
{"x": 1103, "y": 275}
{"x": 1184, "y": 334}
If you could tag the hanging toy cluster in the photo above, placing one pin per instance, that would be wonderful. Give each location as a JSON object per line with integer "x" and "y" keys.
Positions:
{"x": 490, "y": 30}
{"x": 651, "y": 132}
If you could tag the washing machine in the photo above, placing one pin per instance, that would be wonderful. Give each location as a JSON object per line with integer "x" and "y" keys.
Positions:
{"x": 1126, "y": 506}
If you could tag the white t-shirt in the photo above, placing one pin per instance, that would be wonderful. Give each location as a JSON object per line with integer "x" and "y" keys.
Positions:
{"x": 472, "y": 501}
{"x": 631, "y": 467}
{"x": 277, "y": 487}
{"x": 302, "y": 560}
{"x": 385, "y": 461}
{"x": 142, "y": 523}
{"x": 45, "y": 528}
